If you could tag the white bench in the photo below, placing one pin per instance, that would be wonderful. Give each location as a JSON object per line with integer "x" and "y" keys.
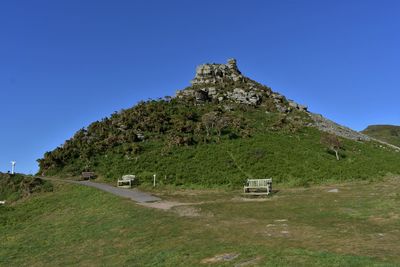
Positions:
{"x": 258, "y": 186}
{"x": 126, "y": 181}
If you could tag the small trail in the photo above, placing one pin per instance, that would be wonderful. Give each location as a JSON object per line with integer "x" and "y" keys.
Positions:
{"x": 133, "y": 194}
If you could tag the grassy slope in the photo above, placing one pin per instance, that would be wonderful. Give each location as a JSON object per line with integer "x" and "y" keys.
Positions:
{"x": 295, "y": 159}
{"x": 14, "y": 187}
{"x": 277, "y": 148}
{"x": 387, "y": 133}
{"x": 82, "y": 226}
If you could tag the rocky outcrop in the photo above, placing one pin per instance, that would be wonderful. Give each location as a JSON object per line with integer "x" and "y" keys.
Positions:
{"x": 225, "y": 83}
{"x": 326, "y": 125}
{"x": 207, "y": 74}
{"x": 295, "y": 105}
{"x": 332, "y": 127}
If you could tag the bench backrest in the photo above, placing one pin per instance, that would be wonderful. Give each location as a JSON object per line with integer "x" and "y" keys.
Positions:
{"x": 87, "y": 174}
{"x": 258, "y": 182}
{"x": 128, "y": 177}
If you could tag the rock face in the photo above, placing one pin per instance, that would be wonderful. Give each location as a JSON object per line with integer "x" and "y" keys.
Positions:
{"x": 224, "y": 83}
{"x": 217, "y": 73}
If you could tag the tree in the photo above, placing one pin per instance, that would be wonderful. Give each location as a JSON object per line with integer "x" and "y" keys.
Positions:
{"x": 222, "y": 123}
{"x": 209, "y": 120}
{"x": 332, "y": 142}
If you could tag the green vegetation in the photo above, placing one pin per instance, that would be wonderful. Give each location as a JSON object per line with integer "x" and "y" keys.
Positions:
{"x": 209, "y": 145}
{"x": 387, "y": 133}
{"x": 14, "y": 187}
{"x": 77, "y": 225}
{"x": 168, "y": 123}
{"x": 297, "y": 159}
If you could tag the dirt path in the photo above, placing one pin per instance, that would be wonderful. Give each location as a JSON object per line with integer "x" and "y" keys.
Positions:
{"x": 133, "y": 194}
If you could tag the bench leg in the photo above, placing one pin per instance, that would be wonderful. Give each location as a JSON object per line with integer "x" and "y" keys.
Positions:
{"x": 269, "y": 189}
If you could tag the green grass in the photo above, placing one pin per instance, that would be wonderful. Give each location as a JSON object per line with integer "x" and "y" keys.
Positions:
{"x": 82, "y": 226}
{"x": 289, "y": 158}
{"x": 263, "y": 145}
{"x": 14, "y": 187}
{"x": 387, "y": 133}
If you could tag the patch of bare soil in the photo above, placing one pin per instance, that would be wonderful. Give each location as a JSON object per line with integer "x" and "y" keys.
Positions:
{"x": 182, "y": 209}
{"x": 220, "y": 258}
{"x": 278, "y": 229}
{"x": 246, "y": 199}
{"x": 163, "y": 205}
{"x": 192, "y": 192}
{"x": 187, "y": 211}
{"x": 248, "y": 262}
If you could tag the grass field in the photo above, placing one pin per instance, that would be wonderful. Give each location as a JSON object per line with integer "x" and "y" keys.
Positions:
{"x": 74, "y": 225}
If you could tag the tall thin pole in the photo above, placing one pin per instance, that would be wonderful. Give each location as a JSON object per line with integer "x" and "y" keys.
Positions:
{"x": 154, "y": 180}
{"x": 13, "y": 167}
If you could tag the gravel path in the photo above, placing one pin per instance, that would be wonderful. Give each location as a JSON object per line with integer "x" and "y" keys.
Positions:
{"x": 133, "y": 194}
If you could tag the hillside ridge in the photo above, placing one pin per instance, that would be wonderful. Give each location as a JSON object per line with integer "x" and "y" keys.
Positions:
{"x": 389, "y": 134}
{"x": 221, "y": 129}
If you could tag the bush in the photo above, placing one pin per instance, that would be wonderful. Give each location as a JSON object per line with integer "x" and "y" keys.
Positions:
{"x": 14, "y": 187}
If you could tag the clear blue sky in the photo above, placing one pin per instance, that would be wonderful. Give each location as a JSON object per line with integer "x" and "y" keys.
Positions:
{"x": 67, "y": 63}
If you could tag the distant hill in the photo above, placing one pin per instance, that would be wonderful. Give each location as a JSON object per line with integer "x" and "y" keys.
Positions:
{"x": 220, "y": 130}
{"x": 386, "y": 133}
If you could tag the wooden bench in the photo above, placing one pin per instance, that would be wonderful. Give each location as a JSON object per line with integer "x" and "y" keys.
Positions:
{"x": 258, "y": 186}
{"x": 126, "y": 181}
{"x": 88, "y": 175}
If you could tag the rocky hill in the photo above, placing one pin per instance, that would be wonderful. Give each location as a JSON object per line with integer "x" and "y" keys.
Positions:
{"x": 386, "y": 133}
{"x": 222, "y": 128}
{"x": 224, "y": 83}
